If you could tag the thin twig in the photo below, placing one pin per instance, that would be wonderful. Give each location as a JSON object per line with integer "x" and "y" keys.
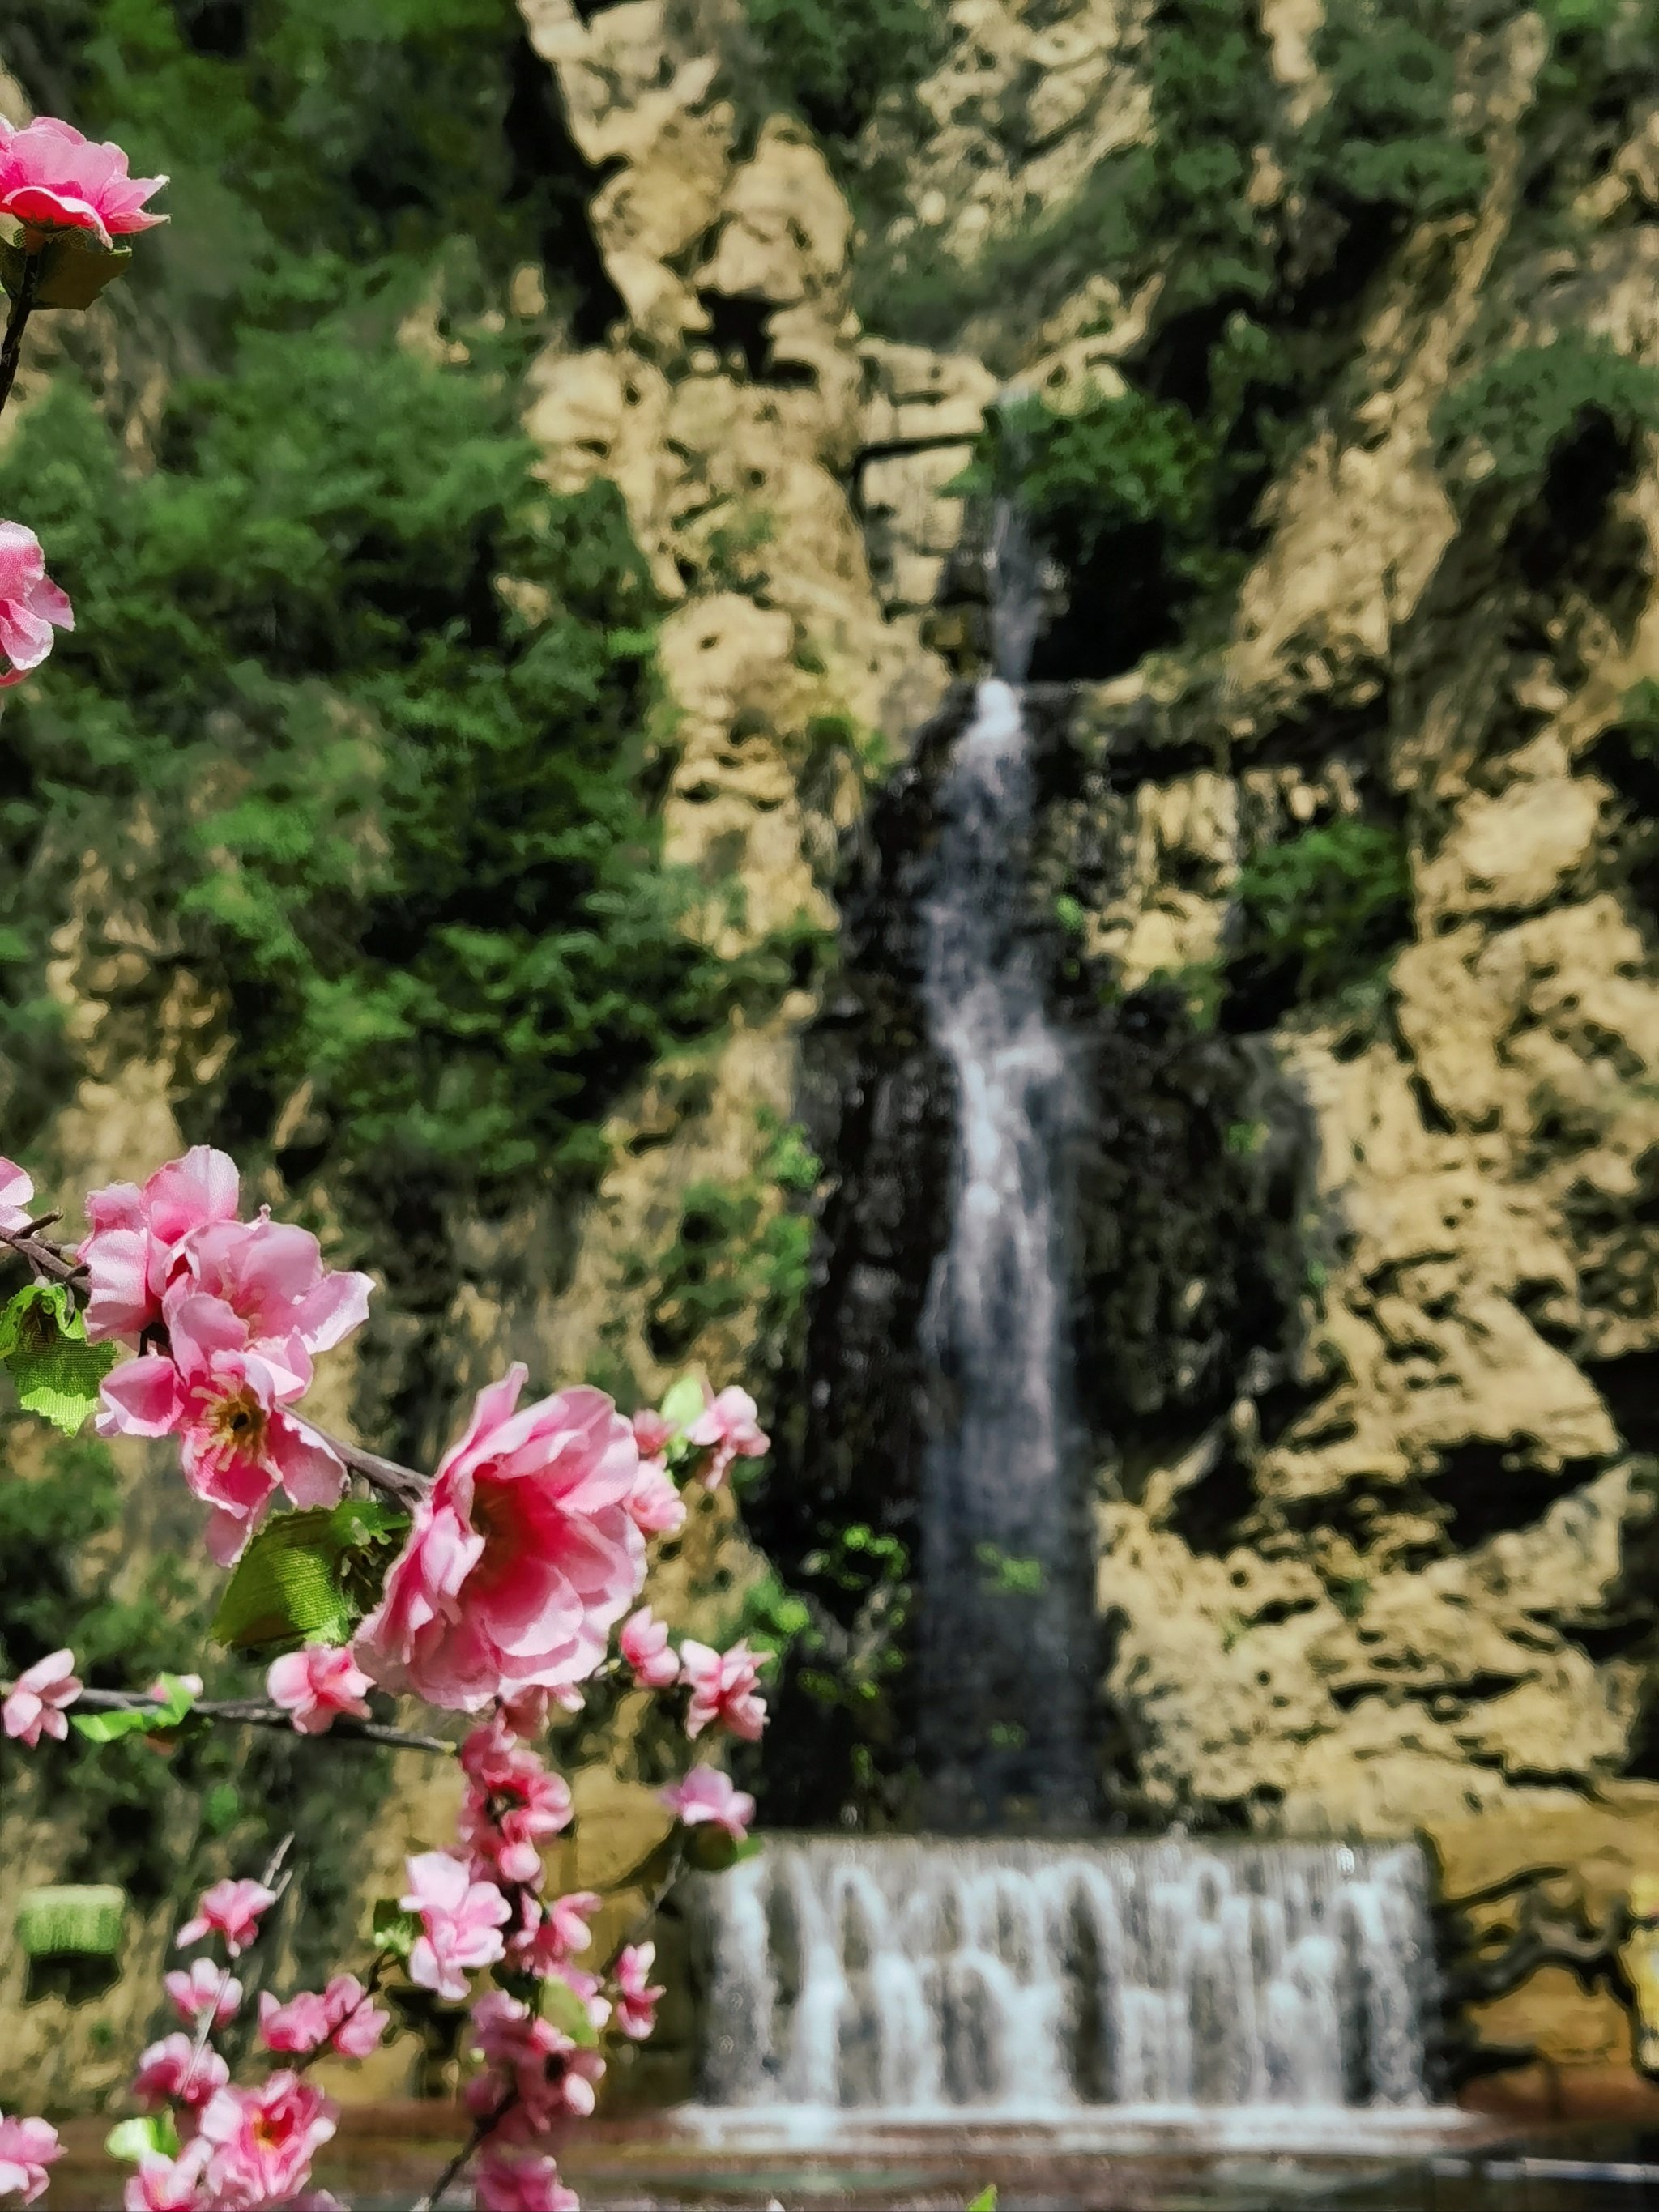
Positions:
{"x": 22, "y": 306}
{"x": 404, "y": 1485}
{"x": 482, "y": 2130}
{"x": 209, "y": 2019}
{"x": 660, "y": 1898}
{"x": 254, "y": 1712}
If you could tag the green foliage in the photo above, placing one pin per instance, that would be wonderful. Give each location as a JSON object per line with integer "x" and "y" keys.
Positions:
{"x": 1521, "y": 408}
{"x": 735, "y": 1251}
{"x": 1007, "y": 1574}
{"x": 42, "y": 1346}
{"x": 1316, "y": 914}
{"x": 309, "y": 1577}
{"x": 834, "y": 59}
{"x": 1384, "y": 136}
{"x": 177, "y": 1698}
{"x": 385, "y": 707}
{"x": 84, "y": 1919}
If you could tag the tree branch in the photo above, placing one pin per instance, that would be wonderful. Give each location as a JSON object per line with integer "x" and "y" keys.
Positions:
{"x": 55, "y": 1263}
{"x": 254, "y": 1712}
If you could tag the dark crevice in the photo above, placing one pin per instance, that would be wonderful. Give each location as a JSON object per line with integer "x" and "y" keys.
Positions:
{"x": 1486, "y": 1488}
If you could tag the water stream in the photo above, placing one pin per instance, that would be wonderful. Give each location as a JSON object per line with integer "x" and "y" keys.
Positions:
{"x": 1006, "y": 1613}
{"x": 918, "y": 1979}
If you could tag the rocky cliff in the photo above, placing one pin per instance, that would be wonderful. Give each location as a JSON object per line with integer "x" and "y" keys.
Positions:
{"x": 1333, "y": 400}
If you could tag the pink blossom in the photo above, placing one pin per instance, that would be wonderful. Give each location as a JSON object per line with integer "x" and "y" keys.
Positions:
{"x": 133, "y": 1250}
{"x": 27, "y": 2148}
{"x": 53, "y": 179}
{"x": 35, "y": 1704}
{"x": 522, "y": 1558}
{"x": 728, "y": 1430}
{"x": 637, "y": 1999}
{"x": 654, "y": 1504}
{"x": 315, "y": 1683}
{"x": 513, "y": 1803}
{"x": 707, "y": 1795}
{"x": 226, "y": 1406}
{"x": 530, "y": 2059}
{"x": 231, "y": 1909}
{"x": 644, "y": 1644}
{"x": 461, "y": 1920}
{"x": 300, "y": 2026}
{"x": 271, "y": 1276}
{"x": 262, "y": 2140}
{"x": 723, "y": 1685}
{"x": 16, "y": 1189}
{"x": 527, "y": 1712}
{"x": 206, "y": 1988}
{"x": 653, "y": 1434}
{"x": 521, "y": 2185}
{"x": 167, "y": 2184}
{"x": 354, "y": 2025}
{"x": 173, "y": 2071}
{"x": 31, "y": 605}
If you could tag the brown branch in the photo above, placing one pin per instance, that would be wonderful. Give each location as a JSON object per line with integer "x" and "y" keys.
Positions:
{"x": 54, "y": 1263}
{"x": 482, "y": 2129}
{"x": 404, "y": 1485}
{"x": 22, "y": 306}
{"x": 659, "y": 1898}
{"x": 254, "y": 1712}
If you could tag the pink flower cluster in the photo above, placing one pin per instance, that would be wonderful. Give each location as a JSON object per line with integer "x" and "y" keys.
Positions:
{"x": 27, "y": 2148}
{"x": 52, "y": 179}
{"x": 230, "y": 1909}
{"x": 238, "y": 1310}
{"x": 340, "y": 2017}
{"x": 315, "y": 1683}
{"x": 522, "y": 1557}
{"x": 16, "y": 1189}
{"x": 531, "y": 2068}
{"x": 514, "y": 1804}
{"x": 36, "y": 1702}
{"x": 724, "y": 1686}
{"x": 31, "y": 607}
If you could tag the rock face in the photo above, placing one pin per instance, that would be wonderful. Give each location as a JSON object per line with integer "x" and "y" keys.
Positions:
{"x": 1365, "y": 1293}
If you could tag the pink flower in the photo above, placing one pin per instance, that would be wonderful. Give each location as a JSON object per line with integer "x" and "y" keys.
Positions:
{"x": 172, "y": 2071}
{"x": 167, "y": 2184}
{"x": 31, "y": 605}
{"x": 512, "y": 1804}
{"x": 707, "y": 1795}
{"x": 521, "y": 2185}
{"x": 133, "y": 1250}
{"x": 530, "y": 2059}
{"x": 300, "y": 2026}
{"x": 354, "y": 2025}
{"x": 27, "y": 2148}
{"x": 522, "y": 1558}
{"x": 728, "y": 1428}
{"x": 461, "y": 1920}
{"x": 226, "y": 1405}
{"x": 723, "y": 1685}
{"x": 16, "y": 1189}
{"x": 315, "y": 1683}
{"x": 653, "y": 1434}
{"x": 655, "y": 1505}
{"x": 271, "y": 1276}
{"x": 35, "y": 1704}
{"x": 262, "y": 2140}
{"x": 231, "y": 1909}
{"x": 205, "y": 1987}
{"x": 53, "y": 179}
{"x": 645, "y": 1646}
{"x": 636, "y": 2000}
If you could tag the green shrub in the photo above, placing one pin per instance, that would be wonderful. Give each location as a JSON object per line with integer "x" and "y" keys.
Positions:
{"x": 1319, "y": 914}
{"x": 1522, "y": 407}
{"x": 834, "y": 59}
{"x": 1384, "y": 137}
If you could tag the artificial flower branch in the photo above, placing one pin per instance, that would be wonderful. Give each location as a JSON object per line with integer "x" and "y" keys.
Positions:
{"x": 255, "y": 1713}
{"x": 22, "y": 306}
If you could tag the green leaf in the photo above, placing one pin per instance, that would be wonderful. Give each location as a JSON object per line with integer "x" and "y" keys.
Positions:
{"x": 110, "y": 1727}
{"x": 986, "y": 2200}
{"x": 85, "y": 1921}
{"x": 54, "y": 1371}
{"x": 72, "y": 274}
{"x": 392, "y": 1928}
{"x": 220, "y": 1808}
{"x": 685, "y": 1402}
{"x": 560, "y": 2004}
{"x": 134, "y": 2139}
{"x": 308, "y": 1576}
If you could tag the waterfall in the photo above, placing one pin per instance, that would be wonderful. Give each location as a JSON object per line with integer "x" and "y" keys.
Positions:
{"x": 914, "y": 1980}
{"x": 1006, "y": 1615}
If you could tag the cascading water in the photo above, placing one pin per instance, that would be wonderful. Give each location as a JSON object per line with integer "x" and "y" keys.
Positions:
{"x": 1038, "y": 1982}
{"x": 1006, "y": 1615}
